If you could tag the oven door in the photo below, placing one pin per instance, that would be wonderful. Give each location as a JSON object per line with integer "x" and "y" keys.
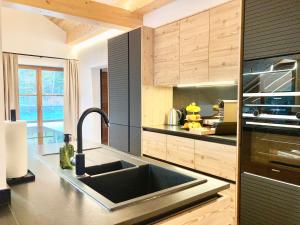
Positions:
{"x": 271, "y": 150}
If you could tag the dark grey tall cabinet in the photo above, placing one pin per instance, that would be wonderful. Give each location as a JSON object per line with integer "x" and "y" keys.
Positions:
{"x": 124, "y": 69}
{"x": 268, "y": 195}
{"x": 271, "y": 28}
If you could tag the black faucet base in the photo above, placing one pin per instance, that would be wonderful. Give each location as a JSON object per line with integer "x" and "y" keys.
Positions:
{"x": 80, "y": 164}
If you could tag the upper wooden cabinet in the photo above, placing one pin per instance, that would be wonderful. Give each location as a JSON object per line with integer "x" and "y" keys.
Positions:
{"x": 224, "y": 44}
{"x": 166, "y": 55}
{"x": 194, "y": 39}
{"x": 204, "y": 47}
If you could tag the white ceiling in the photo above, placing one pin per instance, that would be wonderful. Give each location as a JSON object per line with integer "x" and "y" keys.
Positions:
{"x": 130, "y": 5}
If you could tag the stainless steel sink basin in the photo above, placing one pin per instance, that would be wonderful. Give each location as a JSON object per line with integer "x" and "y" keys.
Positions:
{"x": 123, "y": 187}
{"x": 108, "y": 167}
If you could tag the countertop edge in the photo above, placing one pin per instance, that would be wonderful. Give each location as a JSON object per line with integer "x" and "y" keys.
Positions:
{"x": 209, "y": 138}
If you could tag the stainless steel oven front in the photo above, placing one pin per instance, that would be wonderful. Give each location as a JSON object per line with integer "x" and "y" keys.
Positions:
{"x": 270, "y": 144}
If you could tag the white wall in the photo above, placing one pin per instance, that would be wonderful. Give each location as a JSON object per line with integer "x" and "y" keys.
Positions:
{"x": 29, "y": 33}
{"x": 36, "y": 61}
{"x": 91, "y": 59}
{"x": 177, "y": 10}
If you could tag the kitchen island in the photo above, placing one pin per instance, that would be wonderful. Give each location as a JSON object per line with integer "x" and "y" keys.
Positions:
{"x": 51, "y": 199}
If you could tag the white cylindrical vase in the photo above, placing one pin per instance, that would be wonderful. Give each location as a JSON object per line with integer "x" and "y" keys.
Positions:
{"x": 16, "y": 148}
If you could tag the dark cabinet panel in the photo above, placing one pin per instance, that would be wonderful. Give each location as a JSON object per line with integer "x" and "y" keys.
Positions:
{"x": 118, "y": 137}
{"x": 135, "y": 141}
{"x": 267, "y": 201}
{"x": 124, "y": 68}
{"x": 271, "y": 28}
{"x": 135, "y": 77}
{"x": 118, "y": 79}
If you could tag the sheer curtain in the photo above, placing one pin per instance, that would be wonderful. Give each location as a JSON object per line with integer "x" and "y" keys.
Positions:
{"x": 10, "y": 84}
{"x": 71, "y": 97}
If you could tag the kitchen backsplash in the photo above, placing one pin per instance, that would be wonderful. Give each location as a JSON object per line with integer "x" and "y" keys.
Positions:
{"x": 206, "y": 97}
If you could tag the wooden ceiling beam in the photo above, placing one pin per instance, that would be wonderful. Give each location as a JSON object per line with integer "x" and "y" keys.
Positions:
{"x": 87, "y": 9}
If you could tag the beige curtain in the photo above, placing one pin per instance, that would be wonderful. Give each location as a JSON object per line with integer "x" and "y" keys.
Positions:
{"x": 71, "y": 97}
{"x": 10, "y": 84}
{"x": 2, "y": 107}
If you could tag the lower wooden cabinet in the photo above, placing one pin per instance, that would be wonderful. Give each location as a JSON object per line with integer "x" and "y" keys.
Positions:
{"x": 217, "y": 159}
{"x": 215, "y": 212}
{"x": 181, "y": 151}
{"x": 154, "y": 144}
{"x": 209, "y": 157}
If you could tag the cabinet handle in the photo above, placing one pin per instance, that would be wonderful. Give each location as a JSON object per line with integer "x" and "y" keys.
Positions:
{"x": 273, "y": 125}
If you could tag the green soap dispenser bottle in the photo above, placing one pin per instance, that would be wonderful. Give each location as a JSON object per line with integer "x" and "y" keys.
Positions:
{"x": 66, "y": 153}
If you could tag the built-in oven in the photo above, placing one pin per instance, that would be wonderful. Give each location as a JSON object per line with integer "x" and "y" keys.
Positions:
{"x": 270, "y": 143}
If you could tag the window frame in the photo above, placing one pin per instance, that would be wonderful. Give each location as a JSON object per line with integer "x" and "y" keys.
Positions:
{"x": 39, "y": 93}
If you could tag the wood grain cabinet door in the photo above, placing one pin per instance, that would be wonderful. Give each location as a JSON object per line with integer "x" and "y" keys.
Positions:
{"x": 216, "y": 159}
{"x": 194, "y": 39}
{"x": 181, "y": 151}
{"x": 224, "y": 45}
{"x": 166, "y": 55}
{"x": 154, "y": 144}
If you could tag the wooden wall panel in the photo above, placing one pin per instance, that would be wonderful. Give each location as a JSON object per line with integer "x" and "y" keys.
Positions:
{"x": 157, "y": 102}
{"x": 147, "y": 56}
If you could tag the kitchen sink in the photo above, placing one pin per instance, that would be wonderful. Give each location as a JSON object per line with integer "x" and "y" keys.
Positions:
{"x": 108, "y": 167}
{"x": 123, "y": 187}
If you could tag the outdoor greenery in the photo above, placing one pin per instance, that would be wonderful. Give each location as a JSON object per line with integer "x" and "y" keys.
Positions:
{"x": 52, "y": 95}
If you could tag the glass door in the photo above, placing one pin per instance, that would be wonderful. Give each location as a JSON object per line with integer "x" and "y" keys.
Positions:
{"x": 28, "y": 92}
{"x": 41, "y": 94}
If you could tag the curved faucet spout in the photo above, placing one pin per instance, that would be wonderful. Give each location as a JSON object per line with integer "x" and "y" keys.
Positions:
{"x": 80, "y": 164}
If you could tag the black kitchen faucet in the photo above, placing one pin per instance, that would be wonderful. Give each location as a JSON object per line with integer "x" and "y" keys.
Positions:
{"x": 80, "y": 158}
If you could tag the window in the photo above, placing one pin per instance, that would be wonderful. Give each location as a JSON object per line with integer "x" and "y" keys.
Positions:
{"x": 41, "y": 95}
